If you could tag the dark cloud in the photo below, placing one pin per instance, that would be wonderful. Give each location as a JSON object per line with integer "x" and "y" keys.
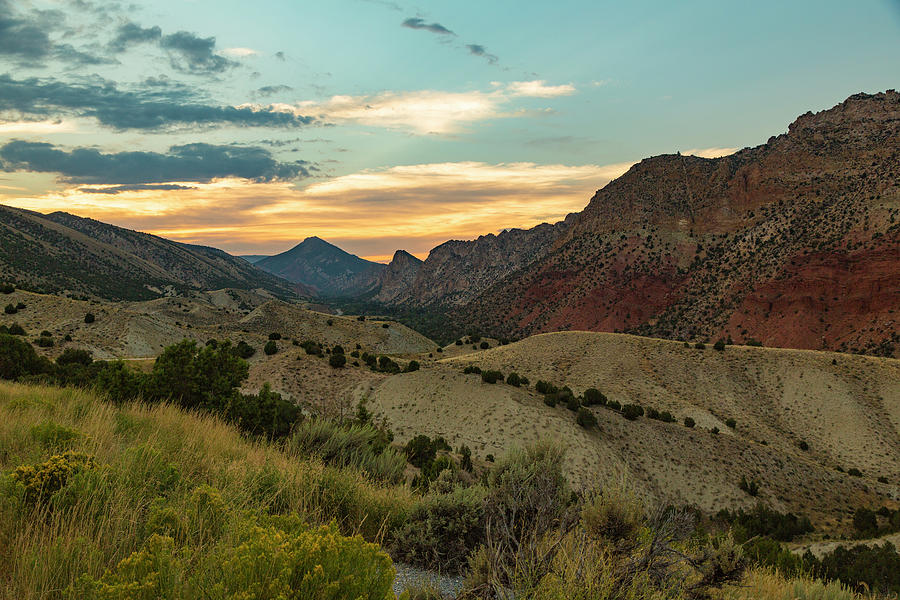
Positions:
{"x": 192, "y": 54}
{"x": 21, "y": 37}
{"x": 268, "y": 90}
{"x": 153, "y": 107}
{"x": 479, "y": 50}
{"x": 118, "y": 189}
{"x": 417, "y": 23}
{"x": 70, "y": 54}
{"x": 131, "y": 34}
{"x": 191, "y": 162}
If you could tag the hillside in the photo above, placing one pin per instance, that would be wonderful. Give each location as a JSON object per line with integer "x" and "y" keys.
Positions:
{"x": 794, "y": 243}
{"x": 846, "y": 408}
{"x": 324, "y": 268}
{"x": 60, "y": 253}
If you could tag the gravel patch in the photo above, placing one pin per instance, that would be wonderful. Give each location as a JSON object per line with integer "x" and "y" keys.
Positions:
{"x": 408, "y": 576}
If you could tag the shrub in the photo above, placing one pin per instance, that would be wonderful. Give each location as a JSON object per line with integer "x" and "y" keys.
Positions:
{"x": 43, "y": 480}
{"x": 803, "y": 445}
{"x": 270, "y": 348}
{"x": 484, "y": 345}
{"x": 572, "y": 403}
{"x": 613, "y": 515}
{"x": 689, "y": 422}
{"x": 7, "y": 288}
{"x": 10, "y": 309}
{"x": 666, "y": 417}
{"x": 854, "y": 472}
{"x": 614, "y": 404}
{"x": 330, "y": 322}
{"x": 652, "y": 413}
{"x": 542, "y": 387}
{"x": 700, "y": 346}
{"x": 20, "y": 305}
{"x": 730, "y": 423}
{"x": 632, "y": 411}
{"x": 120, "y": 383}
{"x": 550, "y": 400}
{"x": 751, "y": 486}
{"x": 513, "y": 379}
{"x": 876, "y": 568}
{"x": 459, "y": 342}
{"x": 244, "y": 350}
{"x": 465, "y": 458}
{"x": 386, "y": 365}
{"x": 491, "y": 376}
{"x": 586, "y": 418}
{"x": 89, "y": 318}
{"x": 472, "y": 369}
{"x": 72, "y": 356}
{"x": 762, "y": 521}
{"x": 865, "y": 522}
{"x": 18, "y": 359}
{"x": 411, "y": 366}
{"x": 420, "y": 451}
{"x": 385, "y": 325}
{"x": 593, "y": 397}
{"x": 275, "y": 336}
{"x": 44, "y": 342}
{"x": 265, "y": 413}
{"x": 442, "y": 530}
{"x": 719, "y": 345}
{"x": 50, "y": 435}
{"x": 337, "y": 360}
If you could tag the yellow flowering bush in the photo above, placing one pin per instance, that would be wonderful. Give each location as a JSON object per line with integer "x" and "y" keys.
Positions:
{"x": 43, "y": 480}
{"x": 317, "y": 564}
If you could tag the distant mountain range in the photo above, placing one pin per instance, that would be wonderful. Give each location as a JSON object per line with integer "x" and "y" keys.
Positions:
{"x": 60, "y": 252}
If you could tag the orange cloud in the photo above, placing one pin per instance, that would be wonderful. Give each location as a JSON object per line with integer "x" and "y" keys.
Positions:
{"x": 372, "y": 212}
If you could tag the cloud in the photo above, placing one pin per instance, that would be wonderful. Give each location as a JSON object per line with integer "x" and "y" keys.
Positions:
{"x": 417, "y": 23}
{"x": 270, "y": 90}
{"x": 539, "y": 89}
{"x": 479, "y": 50}
{"x": 158, "y": 106}
{"x": 240, "y": 52}
{"x": 133, "y": 187}
{"x": 427, "y": 111}
{"x": 186, "y": 163}
{"x": 20, "y": 37}
{"x": 371, "y": 212}
{"x": 189, "y": 53}
{"x": 710, "y": 152}
{"x": 131, "y": 34}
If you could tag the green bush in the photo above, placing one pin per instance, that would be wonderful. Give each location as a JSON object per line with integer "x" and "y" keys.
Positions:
{"x": 10, "y": 309}
{"x": 586, "y": 418}
{"x": 550, "y": 400}
{"x": 16, "y": 329}
{"x": 442, "y": 530}
{"x": 689, "y": 422}
{"x": 543, "y": 387}
{"x": 472, "y": 369}
{"x": 244, "y": 350}
{"x": 763, "y": 521}
{"x": 44, "y": 342}
{"x": 730, "y": 423}
{"x": 89, "y": 318}
{"x": 719, "y": 345}
{"x": 18, "y": 359}
{"x": 572, "y": 403}
{"x": 50, "y": 435}
{"x": 420, "y": 451}
{"x": 751, "y": 486}
{"x": 513, "y": 379}
{"x": 71, "y": 356}
{"x": 484, "y": 345}
{"x": 7, "y": 288}
{"x": 411, "y": 366}
{"x": 270, "y": 348}
{"x": 491, "y": 376}
{"x": 119, "y": 382}
{"x": 803, "y": 445}
{"x": 632, "y": 411}
{"x": 337, "y": 360}
{"x": 275, "y": 336}
{"x": 594, "y": 397}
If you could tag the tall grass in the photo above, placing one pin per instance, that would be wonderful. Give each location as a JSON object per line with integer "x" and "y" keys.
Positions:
{"x": 152, "y": 460}
{"x": 358, "y": 446}
{"x": 769, "y": 585}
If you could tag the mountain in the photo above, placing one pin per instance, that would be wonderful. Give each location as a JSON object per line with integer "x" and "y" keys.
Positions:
{"x": 793, "y": 243}
{"x": 324, "y": 268}
{"x": 253, "y": 258}
{"x": 457, "y": 271}
{"x": 62, "y": 252}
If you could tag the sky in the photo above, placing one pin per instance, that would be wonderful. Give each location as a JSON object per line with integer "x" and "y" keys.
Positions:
{"x": 381, "y": 125}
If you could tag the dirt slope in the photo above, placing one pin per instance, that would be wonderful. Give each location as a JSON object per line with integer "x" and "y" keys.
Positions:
{"x": 847, "y": 408}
